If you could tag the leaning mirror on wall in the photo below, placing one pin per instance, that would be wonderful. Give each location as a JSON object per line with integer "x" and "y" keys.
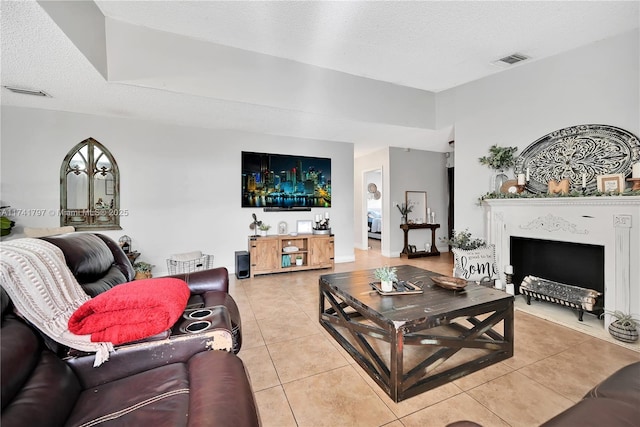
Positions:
{"x": 89, "y": 188}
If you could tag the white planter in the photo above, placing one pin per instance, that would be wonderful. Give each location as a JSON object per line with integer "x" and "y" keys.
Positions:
{"x": 298, "y": 261}
{"x": 263, "y": 233}
{"x": 386, "y": 285}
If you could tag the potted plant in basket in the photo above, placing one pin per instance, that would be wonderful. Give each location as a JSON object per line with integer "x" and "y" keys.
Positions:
{"x": 387, "y": 275}
{"x": 625, "y": 327}
{"x": 6, "y": 224}
{"x": 143, "y": 270}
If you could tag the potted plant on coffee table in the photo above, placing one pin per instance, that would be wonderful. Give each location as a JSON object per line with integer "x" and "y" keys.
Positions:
{"x": 387, "y": 275}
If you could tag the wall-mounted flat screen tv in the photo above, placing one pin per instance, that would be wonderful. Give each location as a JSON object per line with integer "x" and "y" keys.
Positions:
{"x": 285, "y": 182}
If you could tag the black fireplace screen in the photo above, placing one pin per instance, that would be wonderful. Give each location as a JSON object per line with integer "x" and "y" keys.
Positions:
{"x": 574, "y": 264}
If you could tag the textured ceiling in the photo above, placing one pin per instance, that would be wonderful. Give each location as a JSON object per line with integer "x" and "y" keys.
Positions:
{"x": 420, "y": 47}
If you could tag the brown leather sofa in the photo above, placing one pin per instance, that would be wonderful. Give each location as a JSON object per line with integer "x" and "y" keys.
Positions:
{"x": 140, "y": 385}
{"x": 98, "y": 264}
{"x": 615, "y": 402}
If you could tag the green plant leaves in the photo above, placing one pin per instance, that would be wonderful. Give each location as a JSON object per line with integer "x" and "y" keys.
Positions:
{"x": 499, "y": 158}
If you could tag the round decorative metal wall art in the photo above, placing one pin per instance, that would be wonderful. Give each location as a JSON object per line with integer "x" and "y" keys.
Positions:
{"x": 571, "y": 152}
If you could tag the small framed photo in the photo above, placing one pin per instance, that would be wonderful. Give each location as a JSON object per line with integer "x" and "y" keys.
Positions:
{"x": 611, "y": 183}
{"x": 283, "y": 228}
{"x": 304, "y": 226}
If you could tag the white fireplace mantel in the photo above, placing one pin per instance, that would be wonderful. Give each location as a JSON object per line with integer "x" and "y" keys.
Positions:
{"x": 610, "y": 221}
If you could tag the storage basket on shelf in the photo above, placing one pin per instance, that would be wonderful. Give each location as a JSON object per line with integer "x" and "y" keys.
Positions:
{"x": 189, "y": 262}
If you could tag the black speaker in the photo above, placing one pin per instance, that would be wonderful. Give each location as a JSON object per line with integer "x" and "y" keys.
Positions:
{"x": 243, "y": 269}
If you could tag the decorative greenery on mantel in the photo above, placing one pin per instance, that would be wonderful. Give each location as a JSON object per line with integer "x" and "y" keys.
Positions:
{"x": 499, "y": 158}
{"x": 525, "y": 195}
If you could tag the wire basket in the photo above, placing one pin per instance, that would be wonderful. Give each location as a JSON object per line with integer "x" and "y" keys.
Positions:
{"x": 204, "y": 262}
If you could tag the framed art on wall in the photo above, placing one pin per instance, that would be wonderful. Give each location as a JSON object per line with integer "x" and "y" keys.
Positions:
{"x": 283, "y": 228}
{"x": 613, "y": 183}
{"x": 417, "y": 200}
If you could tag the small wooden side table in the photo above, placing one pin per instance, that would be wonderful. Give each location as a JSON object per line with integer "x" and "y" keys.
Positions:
{"x": 418, "y": 254}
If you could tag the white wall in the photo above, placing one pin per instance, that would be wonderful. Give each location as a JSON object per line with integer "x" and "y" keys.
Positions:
{"x": 197, "y": 203}
{"x": 595, "y": 84}
{"x": 181, "y": 185}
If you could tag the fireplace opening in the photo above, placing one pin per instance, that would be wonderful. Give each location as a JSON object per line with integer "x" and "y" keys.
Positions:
{"x": 570, "y": 263}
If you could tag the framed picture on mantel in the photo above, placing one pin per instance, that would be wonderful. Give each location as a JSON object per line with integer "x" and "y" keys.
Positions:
{"x": 613, "y": 183}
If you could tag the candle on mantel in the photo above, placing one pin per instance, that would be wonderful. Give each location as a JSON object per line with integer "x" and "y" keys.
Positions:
{"x": 528, "y": 178}
{"x": 326, "y": 215}
{"x": 508, "y": 269}
{"x": 520, "y": 179}
{"x": 635, "y": 172}
{"x": 318, "y": 217}
{"x": 584, "y": 180}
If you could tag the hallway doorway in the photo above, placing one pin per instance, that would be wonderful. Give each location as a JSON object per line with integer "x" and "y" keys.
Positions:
{"x": 373, "y": 209}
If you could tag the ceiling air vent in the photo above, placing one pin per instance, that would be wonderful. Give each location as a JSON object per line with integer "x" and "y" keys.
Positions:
{"x": 27, "y": 91}
{"x": 510, "y": 60}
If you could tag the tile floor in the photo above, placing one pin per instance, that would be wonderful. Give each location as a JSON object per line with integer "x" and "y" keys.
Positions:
{"x": 302, "y": 377}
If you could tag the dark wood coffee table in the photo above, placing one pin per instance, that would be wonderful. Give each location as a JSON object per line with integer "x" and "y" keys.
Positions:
{"x": 409, "y": 344}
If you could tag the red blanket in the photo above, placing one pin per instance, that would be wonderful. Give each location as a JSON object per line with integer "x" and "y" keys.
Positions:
{"x": 131, "y": 311}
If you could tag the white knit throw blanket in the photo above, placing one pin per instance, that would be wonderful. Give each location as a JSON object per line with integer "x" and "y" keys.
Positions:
{"x": 45, "y": 292}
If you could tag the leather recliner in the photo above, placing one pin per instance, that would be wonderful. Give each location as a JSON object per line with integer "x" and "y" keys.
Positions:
{"x": 139, "y": 385}
{"x": 98, "y": 263}
{"x": 613, "y": 402}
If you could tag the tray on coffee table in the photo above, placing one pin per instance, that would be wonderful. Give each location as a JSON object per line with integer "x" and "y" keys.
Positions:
{"x": 407, "y": 289}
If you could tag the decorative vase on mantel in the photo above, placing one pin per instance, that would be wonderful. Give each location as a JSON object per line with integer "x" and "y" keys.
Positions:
{"x": 498, "y": 181}
{"x": 499, "y": 159}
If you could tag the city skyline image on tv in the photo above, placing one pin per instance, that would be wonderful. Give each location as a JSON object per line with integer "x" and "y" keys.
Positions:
{"x": 285, "y": 181}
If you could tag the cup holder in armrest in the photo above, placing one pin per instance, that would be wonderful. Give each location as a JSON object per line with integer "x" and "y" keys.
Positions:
{"x": 204, "y": 319}
{"x": 195, "y": 327}
{"x": 212, "y": 322}
{"x": 199, "y": 313}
